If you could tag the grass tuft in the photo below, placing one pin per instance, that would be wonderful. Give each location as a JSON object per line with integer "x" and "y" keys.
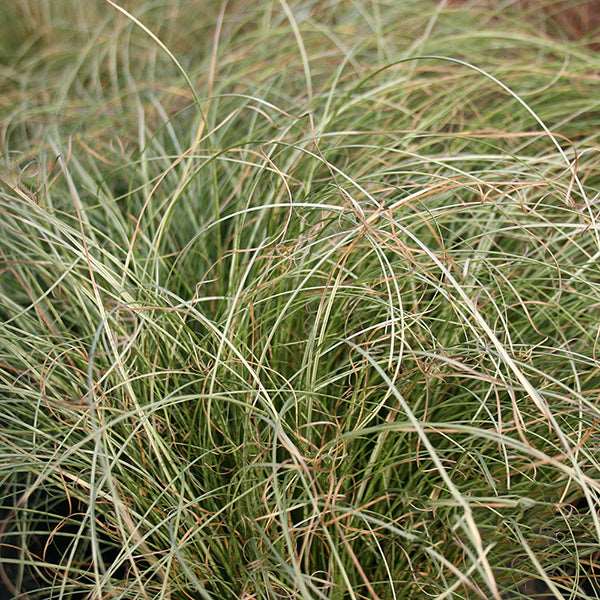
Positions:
{"x": 299, "y": 299}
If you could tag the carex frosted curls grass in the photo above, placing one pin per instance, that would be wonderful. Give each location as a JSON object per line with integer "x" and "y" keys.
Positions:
{"x": 299, "y": 299}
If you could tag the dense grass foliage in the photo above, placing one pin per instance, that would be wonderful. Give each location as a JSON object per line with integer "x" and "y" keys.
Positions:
{"x": 299, "y": 300}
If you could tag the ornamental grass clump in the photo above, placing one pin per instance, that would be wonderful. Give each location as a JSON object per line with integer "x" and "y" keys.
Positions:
{"x": 298, "y": 300}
